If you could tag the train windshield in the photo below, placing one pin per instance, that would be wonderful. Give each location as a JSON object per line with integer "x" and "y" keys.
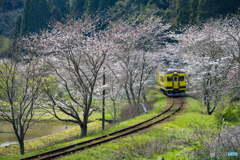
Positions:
{"x": 181, "y": 78}
{"x": 169, "y": 79}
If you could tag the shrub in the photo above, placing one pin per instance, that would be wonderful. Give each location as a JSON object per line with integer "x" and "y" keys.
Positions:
{"x": 5, "y": 45}
{"x": 229, "y": 115}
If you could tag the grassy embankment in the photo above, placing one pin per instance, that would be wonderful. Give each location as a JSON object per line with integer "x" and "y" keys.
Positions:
{"x": 64, "y": 136}
{"x": 171, "y": 140}
{"x": 176, "y": 139}
{"x": 182, "y": 138}
{"x": 52, "y": 141}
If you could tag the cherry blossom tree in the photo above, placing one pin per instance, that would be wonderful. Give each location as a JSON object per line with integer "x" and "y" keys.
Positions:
{"x": 206, "y": 55}
{"x": 75, "y": 52}
{"x": 139, "y": 53}
{"x": 229, "y": 27}
{"x": 113, "y": 90}
{"x": 20, "y": 81}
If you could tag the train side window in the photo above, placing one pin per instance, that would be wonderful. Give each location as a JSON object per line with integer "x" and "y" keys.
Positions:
{"x": 162, "y": 79}
{"x": 181, "y": 78}
{"x": 169, "y": 79}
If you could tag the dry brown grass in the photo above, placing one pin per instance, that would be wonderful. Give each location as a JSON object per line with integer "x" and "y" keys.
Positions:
{"x": 131, "y": 112}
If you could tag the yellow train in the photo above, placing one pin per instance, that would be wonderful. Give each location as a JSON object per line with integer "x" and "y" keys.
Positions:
{"x": 172, "y": 82}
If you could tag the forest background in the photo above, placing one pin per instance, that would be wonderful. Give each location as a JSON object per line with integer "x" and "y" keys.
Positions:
{"x": 19, "y": 17}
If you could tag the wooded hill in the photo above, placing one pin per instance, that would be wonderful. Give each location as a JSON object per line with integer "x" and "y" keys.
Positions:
{"x": 37, "y": 13}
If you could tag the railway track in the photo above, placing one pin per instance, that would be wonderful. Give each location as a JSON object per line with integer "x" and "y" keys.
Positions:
{"x": 173, "y": 108}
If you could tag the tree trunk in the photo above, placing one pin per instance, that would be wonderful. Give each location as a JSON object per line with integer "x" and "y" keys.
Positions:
{"x": 128, "y": 97}
{"x": 21, "y": 145}
{"x": 208, "y": 108}
{"x": 133, "y": 96}
{"x": 144, "y": 98}
{"x": 114, "y": 117}
{"x": 20, "y": 136}
{"x": 83, "y": 130}
{"x": 205, "y": 104}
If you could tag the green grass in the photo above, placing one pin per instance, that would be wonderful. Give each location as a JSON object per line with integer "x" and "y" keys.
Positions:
{"x": 171, "y": 140}
{"x": 177, "y": 135}
{"x": 13, "y": 149}
{"x": 193, "y": 118}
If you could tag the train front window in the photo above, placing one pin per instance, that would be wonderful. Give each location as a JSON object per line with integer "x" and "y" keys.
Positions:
{"x": 175, "y": 78}
{"x": 181, "y": 78}
{"x": 169, "y": 79}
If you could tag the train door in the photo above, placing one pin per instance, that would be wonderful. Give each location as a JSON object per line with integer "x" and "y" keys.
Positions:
{"x": 175, "y": 82}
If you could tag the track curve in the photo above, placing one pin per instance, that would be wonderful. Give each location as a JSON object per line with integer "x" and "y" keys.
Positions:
{"x": 173, "y": 108}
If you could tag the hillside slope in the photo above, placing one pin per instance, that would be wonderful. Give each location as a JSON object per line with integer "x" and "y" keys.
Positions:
{"x": 175, "y": 12}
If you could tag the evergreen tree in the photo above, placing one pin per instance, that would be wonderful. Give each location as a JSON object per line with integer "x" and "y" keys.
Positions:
{"x": 63, "y": 6}
{"x": 193, "y": 5}
{"x": 231, "y": 6}
{"x": 144, "y": 2}
{"x": 17, "y": 28}
{"x": 36, "y": 19}
{"x": 91, "y": 6}
{"x": 207, "y": 9}
{"x": 78, "y": 7}
{"x": 161, "y": 4}
{"x": 26, "y": 18}
{"x": 215, "y": 8}
{"x": 55, "y": 9}
{"x": 35, "y": 16}
{"x": 104, "y": 4}
{"x": 183, "y": 12}
{"x": 42, "y": 15}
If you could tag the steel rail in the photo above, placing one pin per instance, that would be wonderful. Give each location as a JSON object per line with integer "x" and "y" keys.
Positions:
{"x": 102, "y": 139}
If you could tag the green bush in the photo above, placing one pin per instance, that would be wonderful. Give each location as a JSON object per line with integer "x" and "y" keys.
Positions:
{"x": 5, "y": 45}
{"x": 230, "y": 115}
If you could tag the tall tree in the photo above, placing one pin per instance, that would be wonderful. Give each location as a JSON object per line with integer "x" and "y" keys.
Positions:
{"x": 139, "y": 53}
{"x": 81, "y": 51}
{"x": 230, "y": 28}
{"x": 230, "y": 6}
{"x": 91, "y": 6}
{"x": 161, "y": 4}
{"x": 207, "y": 9}
{"x": 183, "y": 12}
{"x": 206, "y": 56}
{"x": 35, "y": 16}
{"x": 17, "y": 28}
{"x": 19, "y": 90}
{"x": 78, "y": 7}
{"x": 42, "y": 15}
{"x": 104, "y": 4}
{"x": 144, "y": 2}
{"x": 193, "y": 5}
{"x": 26, "y": 18}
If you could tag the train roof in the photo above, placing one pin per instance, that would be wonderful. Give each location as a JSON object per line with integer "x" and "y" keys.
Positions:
{"x": 167, "y": 71}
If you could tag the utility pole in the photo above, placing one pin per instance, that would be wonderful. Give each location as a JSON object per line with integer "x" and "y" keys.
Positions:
{"x": 103, "y": 108}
